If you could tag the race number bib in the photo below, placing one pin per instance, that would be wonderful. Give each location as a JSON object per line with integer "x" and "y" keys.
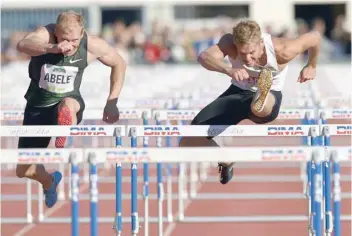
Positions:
{"x": 58, "y": 79}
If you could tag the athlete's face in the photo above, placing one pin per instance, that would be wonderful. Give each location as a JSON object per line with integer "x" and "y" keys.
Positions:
{"x": 72, "y": 34}
{"x": 250, "y": 53}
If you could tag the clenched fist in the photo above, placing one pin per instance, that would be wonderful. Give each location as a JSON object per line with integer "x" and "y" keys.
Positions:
{"x": 238, "y": 74}
{"x": 111, "y": 112}
{"x": 62, "y": 47}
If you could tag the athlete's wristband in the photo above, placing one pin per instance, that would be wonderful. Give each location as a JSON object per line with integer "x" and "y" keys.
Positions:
{"x": 113, "y": 101}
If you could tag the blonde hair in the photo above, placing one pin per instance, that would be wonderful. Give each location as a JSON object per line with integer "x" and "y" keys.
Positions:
{"x": 246, "y": 31}
{"x": 70, "y": 18}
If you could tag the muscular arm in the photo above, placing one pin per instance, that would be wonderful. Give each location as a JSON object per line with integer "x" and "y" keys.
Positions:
{"x": 101, "y": 50}
{"x": 213, "y": 57}
{"x": 37, "y": 43}
{"x": 288, "y": 49}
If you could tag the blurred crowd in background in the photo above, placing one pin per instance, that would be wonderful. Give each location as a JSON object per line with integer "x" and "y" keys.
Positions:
{"x": 171, "y": 44}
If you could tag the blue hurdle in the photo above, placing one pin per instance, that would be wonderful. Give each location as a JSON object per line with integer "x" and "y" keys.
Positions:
{"x": 332, "y": 222}
{"x": 75, "y": 196}
{"x": 134, "y": 202}
{"x": 318, "y": 185}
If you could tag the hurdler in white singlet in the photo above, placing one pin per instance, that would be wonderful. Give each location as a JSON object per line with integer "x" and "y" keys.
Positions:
{"x": 278, "y": 76}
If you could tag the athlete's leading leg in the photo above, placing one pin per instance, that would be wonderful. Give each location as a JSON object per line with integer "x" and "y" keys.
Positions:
{"x": 263, "y": 101}
{"x": 270, "y": 111}
{"x": 67, "y": 110}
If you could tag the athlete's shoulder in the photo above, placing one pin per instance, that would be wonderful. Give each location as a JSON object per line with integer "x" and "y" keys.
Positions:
{"x": 45, "y": 29}
{"x": 286, "y": 48}
{"x": 97, "y": 46}
{"x": 227, "y": 45}
{"x": 43, "y": 32}
{"x": 50, "y": 27}
{"x": 279, "y": 44}
{"x": 94, "y": 42}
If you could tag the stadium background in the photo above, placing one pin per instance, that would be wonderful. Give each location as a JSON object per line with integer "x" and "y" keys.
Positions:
{"x": 160, "y": 41}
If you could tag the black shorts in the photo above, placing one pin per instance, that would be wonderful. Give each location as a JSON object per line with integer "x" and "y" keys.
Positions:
{"x": 43, "y": 116}
{"x": 233, "y": 106}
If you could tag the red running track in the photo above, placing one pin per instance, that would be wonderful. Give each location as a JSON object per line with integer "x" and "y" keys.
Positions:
{"x": 197, "y": 207}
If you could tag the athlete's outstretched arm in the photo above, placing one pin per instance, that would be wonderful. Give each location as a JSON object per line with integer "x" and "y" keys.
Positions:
{"x": 288, "y": 49}
{"x": 101, "y": 50}
{"x": 36, "y": 43}
{"x": 213, "y": 57}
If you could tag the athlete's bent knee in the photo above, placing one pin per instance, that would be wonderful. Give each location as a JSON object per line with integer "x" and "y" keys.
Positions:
{"x": 71, "y": 103}
{"x": 21, "y": 170}
{"x": 268, "y": 107}
{"x": 263, "y": 120}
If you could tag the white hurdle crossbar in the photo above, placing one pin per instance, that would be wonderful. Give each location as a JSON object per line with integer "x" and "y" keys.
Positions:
{"x": 167, "y": 155}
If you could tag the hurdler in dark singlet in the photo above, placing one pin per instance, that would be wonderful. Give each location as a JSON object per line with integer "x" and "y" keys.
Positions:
{"x": 53, "y": 78}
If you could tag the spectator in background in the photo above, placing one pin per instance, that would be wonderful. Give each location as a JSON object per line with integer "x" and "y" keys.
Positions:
{"x": 327, "y": 47}
{"x": 286, "y": 32}
{"x": 182, "y": 44}
{"x": 118, "y": 31}
{"x": 153, "y": 44}
{"x": 302, "y": 27}
{"x": 152, "y": 51}
{"x": 204, "y": 41}
{"x": 178, "y": 50}
{"x": 341, "y": 38}
{"x": 11, "y": 54}
{"x": 137, "y": 42}
{"x": 122, "y": 44}
{"x": 269, "y": 29}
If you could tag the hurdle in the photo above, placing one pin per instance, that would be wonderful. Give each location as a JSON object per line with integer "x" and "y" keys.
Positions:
{"x": 305, "y": 115}
{"x": 42, "y": 131}
{"x": 326, "y": 114}
{"x": 133, "y": 155}
{"x": 333, "y": 221}
{"x": 90, "y": 114}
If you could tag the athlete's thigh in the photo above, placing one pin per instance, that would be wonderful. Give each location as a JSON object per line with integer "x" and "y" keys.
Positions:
{"x": 228, "y": 109}
{"x": 36, "y": 116}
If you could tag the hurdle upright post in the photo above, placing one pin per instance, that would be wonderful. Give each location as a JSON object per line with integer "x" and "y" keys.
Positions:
{"x": 159, "y": 182}
{"x": 75, "y": 195}
{"x": 134, "y": 186}
{"x": 309, "y": 193}
{"x": 93, "y": 184}
{"x": 306, "y": 121}
{"x": 321, "y": 121}
{"x": 336, "y": 193}
{"x": 312, "y": 171}
{"x": 146, "y": 181}
{"x": 327, "y": 183}
{"x": 304, "y": 166}
{"x": 168, "y": 180}
{"x": 318, "y": 192}
{"x": 118, "y": 187}
{"x": 29, "y": 201}
{"x": 322, "y": 118}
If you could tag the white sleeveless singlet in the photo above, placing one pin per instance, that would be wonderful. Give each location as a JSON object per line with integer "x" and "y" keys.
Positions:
{"x": 278, "y": 76}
